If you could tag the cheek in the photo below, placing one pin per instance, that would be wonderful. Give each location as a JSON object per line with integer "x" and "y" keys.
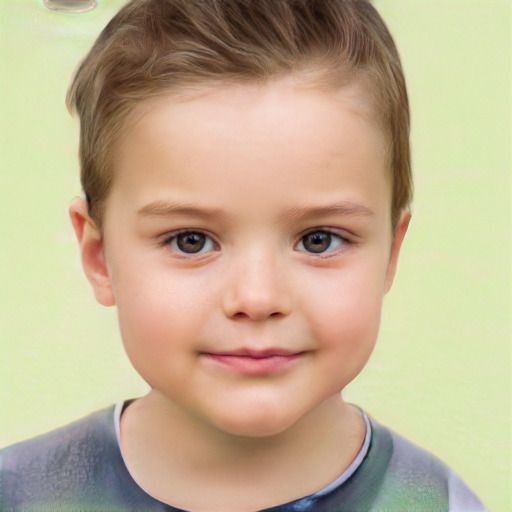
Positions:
{"x": 146, "y": 337}
{"x": 156, "y": 318}
{"x": 347, "y": 319}
{"x": 350, "y": 326}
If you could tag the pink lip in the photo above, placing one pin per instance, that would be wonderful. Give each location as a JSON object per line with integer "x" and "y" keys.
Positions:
{"x": 255, "y": 362}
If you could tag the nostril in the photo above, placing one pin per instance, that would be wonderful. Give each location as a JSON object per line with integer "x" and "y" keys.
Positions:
{"x": 70, "y": 6}
{"x": 255, "y": 315}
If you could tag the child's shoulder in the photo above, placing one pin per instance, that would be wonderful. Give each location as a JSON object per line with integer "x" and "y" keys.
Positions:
{"x": 75, "y": 467}
{"x": 407, "y": 475}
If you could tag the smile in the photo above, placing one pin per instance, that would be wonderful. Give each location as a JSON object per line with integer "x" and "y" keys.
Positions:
{"x": 255, "y": 362}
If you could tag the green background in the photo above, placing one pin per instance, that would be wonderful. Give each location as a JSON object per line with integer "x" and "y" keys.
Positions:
{"x": 441, "y": 372}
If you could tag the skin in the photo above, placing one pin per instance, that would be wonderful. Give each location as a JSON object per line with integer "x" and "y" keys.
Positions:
{"x": 248, "y": 342}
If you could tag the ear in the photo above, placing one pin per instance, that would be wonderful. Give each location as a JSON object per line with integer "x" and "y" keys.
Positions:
{"x": 92, "y": 253}
{"x": 398, "y": 238}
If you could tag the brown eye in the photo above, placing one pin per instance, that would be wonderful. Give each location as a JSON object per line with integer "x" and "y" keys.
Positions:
{"x": 318, "y": 242}
{"x": 190, "y": 242}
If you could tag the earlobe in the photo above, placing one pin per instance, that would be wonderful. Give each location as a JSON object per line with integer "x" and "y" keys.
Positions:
{"x": 92, "y": 254}
{"x": 398, "y": 238}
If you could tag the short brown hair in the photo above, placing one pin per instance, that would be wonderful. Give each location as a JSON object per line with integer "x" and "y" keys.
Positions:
{"x": 152, "y": 47}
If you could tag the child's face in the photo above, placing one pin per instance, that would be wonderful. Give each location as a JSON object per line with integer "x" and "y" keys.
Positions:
{"x": 248, "y": 247}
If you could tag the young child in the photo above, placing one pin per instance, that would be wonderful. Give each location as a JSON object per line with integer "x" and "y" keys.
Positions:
{"x": 247, "y": 178}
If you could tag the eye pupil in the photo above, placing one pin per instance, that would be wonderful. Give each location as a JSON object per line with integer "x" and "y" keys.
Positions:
{"x": 190, "y": 242}
{"x": 317, "y": 242}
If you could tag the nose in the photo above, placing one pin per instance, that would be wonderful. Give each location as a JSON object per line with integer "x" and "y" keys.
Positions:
{"x": 257, "y": 290}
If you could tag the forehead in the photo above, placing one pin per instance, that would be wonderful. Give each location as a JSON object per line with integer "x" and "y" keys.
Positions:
{"x": 281, "y": 133}
{"x": 254, "y": 104}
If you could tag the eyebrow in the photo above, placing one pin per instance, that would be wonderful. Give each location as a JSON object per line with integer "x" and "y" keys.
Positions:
{"x": 167, "y": 209}
{"x": 345, "y": 209}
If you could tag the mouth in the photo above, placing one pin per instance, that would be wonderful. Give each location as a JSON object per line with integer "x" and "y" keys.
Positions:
{"x": 255, "y": 362}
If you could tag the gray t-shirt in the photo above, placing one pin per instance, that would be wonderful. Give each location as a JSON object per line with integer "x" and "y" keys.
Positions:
{"x": 79, "y": 467}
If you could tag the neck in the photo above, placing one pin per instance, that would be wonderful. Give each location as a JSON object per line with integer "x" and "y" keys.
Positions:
{"x": 189, "y": 464}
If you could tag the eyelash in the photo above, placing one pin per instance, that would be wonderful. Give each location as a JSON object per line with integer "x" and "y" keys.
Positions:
{"x": 171, "y": 240}
{"x": 342, "y": 241}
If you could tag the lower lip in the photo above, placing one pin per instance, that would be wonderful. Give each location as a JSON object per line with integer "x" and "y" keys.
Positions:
{"x": 255, "y": 365}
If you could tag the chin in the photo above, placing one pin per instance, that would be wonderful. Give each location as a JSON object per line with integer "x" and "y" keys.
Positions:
{"x": 256, "y": 424}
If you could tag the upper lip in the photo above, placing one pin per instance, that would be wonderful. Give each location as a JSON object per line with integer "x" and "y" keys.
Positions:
{"x": 257, "y": 353}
